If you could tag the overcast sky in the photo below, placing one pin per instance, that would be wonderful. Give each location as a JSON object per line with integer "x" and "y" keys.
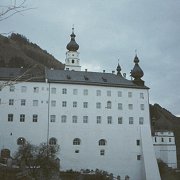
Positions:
{"x": 108, "y": 30}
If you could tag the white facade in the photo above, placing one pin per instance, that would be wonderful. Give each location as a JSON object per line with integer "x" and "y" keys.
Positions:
{"x": 72, "y": 61}
{"x": 118, "y": 116}
{"x": 165, "y": 148}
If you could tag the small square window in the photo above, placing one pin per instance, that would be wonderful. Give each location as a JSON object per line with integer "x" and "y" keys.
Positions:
{"x": 109, "y": 119}
{"x": 52, "y": 118}
{"x": 131, "y": 119}
{"x": 142, "y": 107}
{"x": 85, "y": 92}
{"x": 74, "y": 119}
{"x": 130, "y": 106}
{"x": 53, "y": 90}
{"x": 98, "y": 92}
{"x": 129, "y": 94}
{"x": 36, "y": 89}
{"x": 63, "y": 118}
{"x": 85, "y": 119}
{"x": 76, "y": 151}
{"x": 102, "y": 152}
{"x": 120, "y": 106}
{"x": 98, "y": 119}
{"x": 23, "y": 102}
{"x": 53, "y": 103}
{"x": 108, "y": 93}
{"x": 141, "y": 120}
{"x": 35, "y": 117}
{"x": 85, "y": 104}
{"x": 120, "y": 120}
{"x": 119, "y": 93}
{"x": 11, "y": 102}
{"x": 22, "y": 117}
{"x": 98, "y": 105}
{"x": 10, "y": 117}
{"x": 35, "y": 102}
{"x": 138, "y": 157}
{"x": 74, "y": 104}
{"x": 75, "y": 91}
{"x": 23, "y": 89}
{"x": 12, "y": 88}
{"x": 64, "y": 91}
{"x": 64, "y": 103}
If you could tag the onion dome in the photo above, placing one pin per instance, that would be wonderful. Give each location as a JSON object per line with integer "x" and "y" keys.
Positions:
{"x": 118, "y": 69}
{"x": 72, "y": 45}
{"x": 137, "y": 73}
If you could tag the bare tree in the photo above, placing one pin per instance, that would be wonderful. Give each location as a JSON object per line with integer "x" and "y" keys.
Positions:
{"x": 16, "y": 6}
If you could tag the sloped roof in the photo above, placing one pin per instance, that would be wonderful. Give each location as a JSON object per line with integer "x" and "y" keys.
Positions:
{"x": 89, "y": 78}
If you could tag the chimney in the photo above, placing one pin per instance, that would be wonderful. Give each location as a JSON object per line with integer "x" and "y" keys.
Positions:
{"x": 85, "y": 70}
{"x": 104, "y": 71}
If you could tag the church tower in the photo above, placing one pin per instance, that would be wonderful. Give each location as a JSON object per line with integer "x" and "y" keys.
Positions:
{"x": 72, "y": 56}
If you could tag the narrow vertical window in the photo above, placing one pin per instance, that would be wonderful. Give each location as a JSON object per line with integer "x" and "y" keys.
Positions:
{"x": 108, "y": 93}
{"x": 53, "y": 103}
{"x": 98, "y": 118}
{"x": 138, "y": 142}
{"x": 11, "y": 102}
{"x": 130, "y": 106}
{"x": 85, "y": 119}
{"x": 23, "y": 102}
{"x": 85, "y": 92}
{"x": 98, "y": 105}
{"x": 109, "y": 119}
{"x": 102, "y": 152}
{"x": 64, "y": 103}
{"x": 98, "y": 92}
{"x": 119, "y": 93}
{"x": 74, "y": 119}
{"x": 64, "y": 91}
{"x": 131, "y": 120}
{"x": 142, "y": 107}
{"x": 85, "y": 104}
{"x": 23, "y": 89}
{"x": 75, "y": 91}
{"x": 22, "y": 117}
{"x": 74, "y": 104}
{"x": 138, "y": 157}
{"x": 141, "y": 95}
{"x": 10, "y": 117}
{"x": 35, "y": 118}
{"x": 120, "y": 120}
{"x": 35, "y": 102}
{"x": 120, "y": 106}
{"x": 52, "y": 118}
{"x": 141, "y": 120}
{"x": 129, "y": 94}
{"x": 109, "y": 105}
{"x": 63, "y": 118}
{"x": 12, "y": 88}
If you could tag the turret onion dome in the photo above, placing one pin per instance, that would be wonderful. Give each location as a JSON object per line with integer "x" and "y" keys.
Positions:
{"x": 72, "y": 45}
{"x": 118, "y": 69}
{"x": 137, "y": 72}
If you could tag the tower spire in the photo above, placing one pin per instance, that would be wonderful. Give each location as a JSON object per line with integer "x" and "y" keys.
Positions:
{"x": 118, "y": 69}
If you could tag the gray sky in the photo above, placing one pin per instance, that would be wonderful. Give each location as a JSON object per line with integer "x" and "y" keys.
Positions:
{"x": 108, "y": 30}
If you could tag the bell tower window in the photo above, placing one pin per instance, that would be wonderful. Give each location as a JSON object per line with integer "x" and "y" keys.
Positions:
{"x": 73, "y": 61}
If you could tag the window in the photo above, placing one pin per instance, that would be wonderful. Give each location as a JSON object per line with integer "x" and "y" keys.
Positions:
{"x": 109, "y": 119}
{"x": 23, "y": 102}
{"x": 120, "y": 120}
{"x": 162, "y": 139}
{"x": 141, "y": 120}
{"x": 169, "y": 139}
{"x": 35, "y": 102}
{"x": 63, "y": 118}
{"x": 85, "y": 119}
{"x": 120, "y": 107}
{"x": 21, "y": 141}
{"x": 52, "y": 141}
{"x": 35, "y": 117}
{"x": 64, "y": 91}
{"x": 138, "y": 142}
{"x": 10, "y": 117}
{"x": 11, "y": 88}
{"x": 35, "y": 89}
{"x": 129, "y": 94}
{"x": 53, "y": 103}
{"x": 85, "y": 104}
{"x": 119, "y": 94}
{"x": 52, "y": 118}
{"x": 108, "y": 93}
{"x": 109, "y": 105}
{"x": 11, "y": 102}
{"x": 74, "y": 103}
{"x": 130, "y": 106}
{"x": 102, "y": 142}
{"x": 98, "y": 118}
{"x": 98, "y": 105}
{"x": 75, "y": 91}
{"x": 142, "y": 106}
{"x": 74, "y": 119}
{"x": 102, "y": 152}
{"x": 141, "y": 95}
{"x": 64, "y": 103}
{"x": 76, "y": 141}
{"x": 76, "y": 151}
{"x": 98, "y": 92}
{"x": 0, "y": 101}
{"x": 22, "y": 117}
{"x": 53, "y": 90}
{"x": 23, "y": 89}
{"x": 155, "y": 139}
{"x": 131, "y": 119}
{"x": 138, "y": 157}
{"x": 85, "y": 92}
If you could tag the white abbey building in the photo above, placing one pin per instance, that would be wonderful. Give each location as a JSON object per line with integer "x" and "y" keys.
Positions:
{"x": 100, "y": 120}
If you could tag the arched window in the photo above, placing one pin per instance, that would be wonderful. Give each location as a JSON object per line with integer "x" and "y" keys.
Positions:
{"x": 76, "y": 141}
{"x": 102, "y": 142}
{"x": 21, "y": 141}
{"x": 109, "y": 105}
{"x": 52, "y": 141}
